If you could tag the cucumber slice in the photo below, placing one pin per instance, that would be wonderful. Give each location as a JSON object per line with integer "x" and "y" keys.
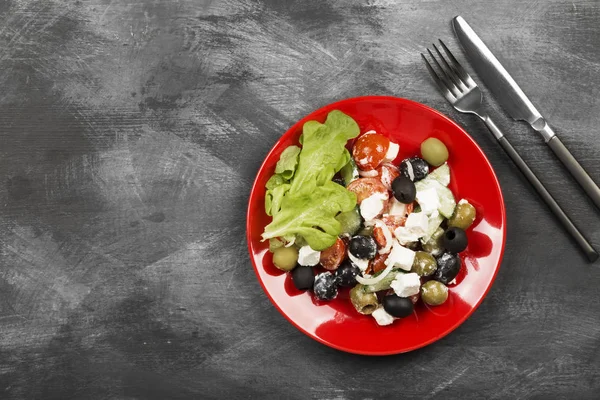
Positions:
{"x": 434, "y": 224}
{"x": 385, "y": 283}
{"x": 447, "y": 202}
{"x": 351, "y": 221}
{"x": 425, "y": 184}
{"x": 441, "y": 174}
{"x": 349, "y": 172}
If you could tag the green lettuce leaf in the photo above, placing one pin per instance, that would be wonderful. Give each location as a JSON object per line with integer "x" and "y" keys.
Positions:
{"x": 268, "y": 203}
{"x": 273, "y": 195}
{"x": 274, "y": 198}
{"x": 312, "y": 215}
{"x": 323, "y": 147}
{"x": 346, "y": 157}
{"x": 287, "y": 162}
{"x": 308, "y": 204}
{"x": 278, "y": 196}
{"x": 275, "y": 181}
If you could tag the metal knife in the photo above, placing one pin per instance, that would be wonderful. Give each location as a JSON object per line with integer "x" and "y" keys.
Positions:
{"x": 516, "y": 103}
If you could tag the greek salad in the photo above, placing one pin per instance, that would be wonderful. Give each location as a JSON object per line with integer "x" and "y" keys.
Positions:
{"x": 345, "y": 214}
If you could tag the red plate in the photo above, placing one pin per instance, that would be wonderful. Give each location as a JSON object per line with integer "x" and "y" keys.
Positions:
{"x": 336, "y": 323}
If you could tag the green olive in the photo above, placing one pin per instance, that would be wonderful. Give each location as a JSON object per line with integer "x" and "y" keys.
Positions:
{"x": 424, "y": 264}
{"x": 434, "y": 151}
{"x": 434, "y": 293}
{"x": 434, "y": 244}
{"x": 464, "y": 215}
{"x": 285, "y": 258}
{"x": 365, "y": 303}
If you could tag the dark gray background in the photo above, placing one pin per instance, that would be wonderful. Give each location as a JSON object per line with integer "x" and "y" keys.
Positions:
{"x": 131, "y": 132}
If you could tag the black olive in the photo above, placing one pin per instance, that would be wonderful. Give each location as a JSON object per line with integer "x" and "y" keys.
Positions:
{"x": 454, "y": 240}
{"x": 414, "y": 168}
{"x": 346, "y": 274}
{"x": 325, "y": 287}
{"x": 448, "y": 267}
{"x": 303, "y": 277}
{"x": 404, "y": 189}
{"x": 396, "y": 306}
{"x": 363, "y": 247}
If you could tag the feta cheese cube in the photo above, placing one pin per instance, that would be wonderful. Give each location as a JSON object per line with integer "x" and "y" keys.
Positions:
{"x": 406, "y": 285}
{"x": 405, "y": 236}
{"x": 361, "y": 263}
{"x": 382, "y": 317}
{"x": 400, "y": 257}
{"x": 415, "y": 228}
{"x": 308, "y": 257}
{"x": 397, "y": 208}
{"x": 373, "y": 205}
{"x": 392, "y": 152}
{"x": 429, "y": 200}
{"x": 417, "y": 223}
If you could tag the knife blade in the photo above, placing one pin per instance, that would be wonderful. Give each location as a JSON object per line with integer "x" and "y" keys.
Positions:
{"x": 497, "y": 79}
{"x": 516, "y": 103}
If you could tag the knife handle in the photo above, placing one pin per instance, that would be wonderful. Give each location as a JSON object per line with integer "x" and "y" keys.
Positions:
{"x": 573, "y": 166}
{"x": 587, "y": 248}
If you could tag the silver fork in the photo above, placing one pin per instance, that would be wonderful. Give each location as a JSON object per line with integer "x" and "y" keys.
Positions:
{"x": 465, "y": 96}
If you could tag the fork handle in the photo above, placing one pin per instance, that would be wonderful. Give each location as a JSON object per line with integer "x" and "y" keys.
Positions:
{"x": 587, "y": 248}
{"x": 493, "y": 128}
{"x": 582, "y": 177}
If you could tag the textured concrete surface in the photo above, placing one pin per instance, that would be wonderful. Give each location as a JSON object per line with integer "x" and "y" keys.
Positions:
{"x": 131, "y": 131}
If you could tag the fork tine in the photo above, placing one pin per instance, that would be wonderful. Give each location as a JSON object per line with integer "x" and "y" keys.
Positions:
{"x": 451, "y": 72}
{"x": 438, "y": 80}
{"x": 447, "y": 80}
{"x": 457, "y": 67}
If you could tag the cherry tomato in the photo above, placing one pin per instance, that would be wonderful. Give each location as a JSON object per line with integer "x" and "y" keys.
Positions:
{"x": 370, "y": 150}
{"x": 365, "y": 187}
{"x": 332, "y": 257}
{"x": 387, "y": 173}
{"x": 378, "y": 263}
{"x": 379, "y": 236}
